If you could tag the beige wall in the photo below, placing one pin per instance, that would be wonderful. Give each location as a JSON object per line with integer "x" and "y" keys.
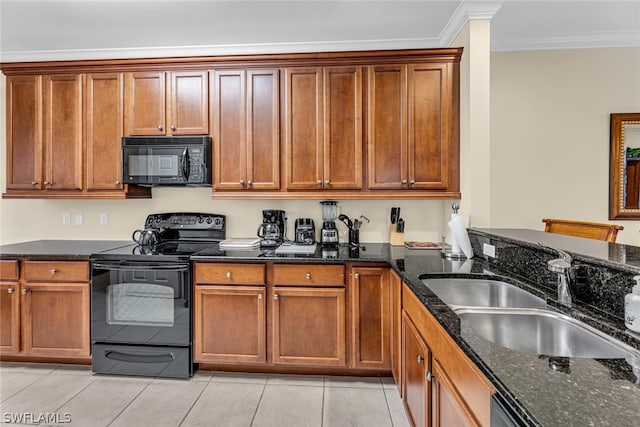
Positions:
{"x": 550, "y": 133}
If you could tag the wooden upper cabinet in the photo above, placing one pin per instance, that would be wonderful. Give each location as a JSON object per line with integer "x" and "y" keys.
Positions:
{"x": 387, "y": 148}
{"x": 430, "y": 115}
{"x": 410, "y": 126}
{"x": 104, "y": 128}
{"x": 63, "y": 132}
{"x": 166, "y": 103}
{"x": 324, "y": 128}
{"x": 246, "y": 131}
{"x": 24, "y": 133}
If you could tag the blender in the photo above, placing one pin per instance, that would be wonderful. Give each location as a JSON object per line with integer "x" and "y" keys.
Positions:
{"x": 329, "y": 232}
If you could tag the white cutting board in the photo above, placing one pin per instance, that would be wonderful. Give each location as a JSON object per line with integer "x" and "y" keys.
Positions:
{"x": 240, "y": 243}
{"x": 296, "y": 249}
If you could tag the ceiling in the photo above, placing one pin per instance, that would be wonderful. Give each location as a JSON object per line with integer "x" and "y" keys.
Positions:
{"x": 83, "y": 29}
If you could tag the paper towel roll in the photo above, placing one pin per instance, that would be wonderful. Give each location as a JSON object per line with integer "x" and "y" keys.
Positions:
{"x": 458, "y": 226}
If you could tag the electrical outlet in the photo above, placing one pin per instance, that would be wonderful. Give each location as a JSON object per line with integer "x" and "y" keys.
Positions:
{"x": 104, "y": 219}
{"x": 489, "y": 250}
{"x": 66, "y": 219}
{"x": 78, "y": 219}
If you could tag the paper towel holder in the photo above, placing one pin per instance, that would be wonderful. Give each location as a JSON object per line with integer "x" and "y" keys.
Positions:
{"x": 446, "y": 251}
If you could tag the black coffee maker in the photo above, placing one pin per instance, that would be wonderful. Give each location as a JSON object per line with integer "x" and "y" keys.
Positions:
{"x": 272, "y": 228}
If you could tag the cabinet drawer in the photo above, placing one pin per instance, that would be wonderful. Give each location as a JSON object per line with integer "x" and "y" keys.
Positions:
{"x": 9, "y": 269}
{"x": 308, "y": 275}
{"x": 56, "y": 271}
{"x": 238, "y": 274}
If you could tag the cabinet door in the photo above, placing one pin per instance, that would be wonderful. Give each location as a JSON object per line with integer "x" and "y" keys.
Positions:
{"x": 309, "y": 326}
{"x": 24, "y": 133}
{"x": 448, "y": 409}
{"x": 189, "y": 114}
{"x": 63, "y": 132}
{"x": 416, "y": 388}
{"x": 104, "y": 127}
{"x": 263, "y": 130}
{"x": 145, "y": 100}
{"x": 371, "y": 317}
{"x": 230, "y": 324}
{"x": 304, "y": 129}
{"x": 9, "y": 318}
{"x": 430, "y": 124}
{"x": 395, "y": 283}
{"x": 55, "y": 319}
{"x": 343, "y": 128}
{"x": 387, "y": 118}
{"x": 229, "y": 120}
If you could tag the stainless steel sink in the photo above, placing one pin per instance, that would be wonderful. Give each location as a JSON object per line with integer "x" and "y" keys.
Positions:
{"x": 482, "y": 293}
{"x": 543, "y": 332}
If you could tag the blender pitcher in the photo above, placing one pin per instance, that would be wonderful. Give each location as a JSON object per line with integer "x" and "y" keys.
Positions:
{"x": 329, "y": 232}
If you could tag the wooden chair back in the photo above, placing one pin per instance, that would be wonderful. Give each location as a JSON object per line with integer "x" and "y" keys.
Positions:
{"x": 589, "y": 230}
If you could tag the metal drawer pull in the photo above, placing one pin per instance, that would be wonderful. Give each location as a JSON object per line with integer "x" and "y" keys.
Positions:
{"x": 326, "y": 181}
{"x": 117, "y": 182}
{"x": 420, "y": 358}
{"x": 357, "y": 275}
{"x": 259, "y": 296}
{"x": 319, "y": 182}
{"x": 430, "y": 376}
{"x": 34, "y": 182}
{"x": 275, "y": 296}
{"x": 23, "y": 292}
{"x": 139, "y": 358}
{"x": 10, "y": 290}
{"x": 172, "y": 127}
{"x": 228, "y": 275}
{"x": 53, "y": 271}
{"x": 404, "y": 181}
{"x": 412, "y": 182}
{"x": 308, "y": 276}
{"x": 160, "y": 127}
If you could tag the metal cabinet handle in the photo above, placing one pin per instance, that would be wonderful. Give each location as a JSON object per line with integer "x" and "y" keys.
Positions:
{"x": 10, "y": 290}
{"x": 404, "y": 181}
{"x": 249, "y": 182}
{"x": 308, "y": 276}
{"x": 53, "y": 271}
{"x": 228, "y": 275}
{"x": 23, "y": 292}
{"x": 34, "y": 182}
{"x": 413, "y": 181}
{"x": 116, "y": 182}
{"x": 159, "y": 127}
{"x": 275, "y": 296}
{"x": 46, "y": 183}
{"x": 319, "y": 182}
{"x": 356, "y": 276}
{"x": 430, "y": 376}
{"x": 242, "y": 182}
{"x": 420, "y": 358}
{"x": 327, "y": 181}
{"x": 259, "y": 296}
{"x": 172, "y": 127}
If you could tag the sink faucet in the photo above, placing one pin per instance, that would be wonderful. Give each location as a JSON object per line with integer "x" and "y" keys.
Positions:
{"x": 566, "y": 274}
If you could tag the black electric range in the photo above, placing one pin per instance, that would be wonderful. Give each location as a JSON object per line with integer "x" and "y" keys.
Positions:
{"x": 141, "y": 298}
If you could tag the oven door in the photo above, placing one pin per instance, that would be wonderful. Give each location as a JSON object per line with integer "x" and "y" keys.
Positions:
{"x": 141, "y": 303}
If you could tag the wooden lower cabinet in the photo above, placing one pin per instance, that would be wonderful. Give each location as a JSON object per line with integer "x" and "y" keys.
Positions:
{"x": 371, "y": 317}
{"x": 309, "y": 326}
{"x": 47, "y": 312}
{"x": 230, "y": 324}
{"x": 416, "y": 389}
{"x": 444, "y": 388}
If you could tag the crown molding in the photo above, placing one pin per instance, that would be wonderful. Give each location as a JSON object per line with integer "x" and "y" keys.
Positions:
{"x": 217, "y": 50}
{"x": 575, "y": 41}
{"x": 467, "y": 11}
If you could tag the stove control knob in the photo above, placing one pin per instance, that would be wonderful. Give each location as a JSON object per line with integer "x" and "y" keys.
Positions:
{"x": 200, "y": 220}
{"x": 209, "y": 220}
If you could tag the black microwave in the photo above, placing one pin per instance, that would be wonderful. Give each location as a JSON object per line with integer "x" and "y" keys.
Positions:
{"x": 170, "y": 160}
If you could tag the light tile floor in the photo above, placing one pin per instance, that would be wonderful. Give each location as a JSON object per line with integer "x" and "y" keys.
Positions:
{"x": 73, "y": 396}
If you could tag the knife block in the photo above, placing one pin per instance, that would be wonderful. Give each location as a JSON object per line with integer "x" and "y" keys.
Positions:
{"x": 395, "y": 238}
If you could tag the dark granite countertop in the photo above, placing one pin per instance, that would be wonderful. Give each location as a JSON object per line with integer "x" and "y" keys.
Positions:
{"x": 59, "y": 249}
{"x": 593, "y": 392}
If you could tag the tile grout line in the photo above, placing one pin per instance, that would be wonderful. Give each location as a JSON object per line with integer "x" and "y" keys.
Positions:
{"x": 386, "y": 401}
{"x": 324, "y": 389}
{"x": 3, "y": 399}
{"x": 130, "y": 402}
{"x": 196, "y": 400}
{"x": 255, "y": 412}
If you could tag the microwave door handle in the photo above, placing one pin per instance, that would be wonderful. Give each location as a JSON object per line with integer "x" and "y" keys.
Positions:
{"x": 185, "y": 164}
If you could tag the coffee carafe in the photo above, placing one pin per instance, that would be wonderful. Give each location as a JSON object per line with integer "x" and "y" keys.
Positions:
{"x": 273, "y": 228}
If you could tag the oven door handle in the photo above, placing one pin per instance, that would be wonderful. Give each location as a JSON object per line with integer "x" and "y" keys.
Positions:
{"x": 139, "y": 358}
{"x": 172, "y": 267}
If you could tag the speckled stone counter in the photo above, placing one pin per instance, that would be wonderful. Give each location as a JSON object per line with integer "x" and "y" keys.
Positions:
{"x": 59, "y": 249}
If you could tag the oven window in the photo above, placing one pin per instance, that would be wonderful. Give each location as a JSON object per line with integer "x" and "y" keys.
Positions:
{"x": 140, "y": 304}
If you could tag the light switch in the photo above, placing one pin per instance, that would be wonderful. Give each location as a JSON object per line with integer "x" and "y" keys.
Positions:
{"x": 66, "y": 219}
{"x": 104, "y": 219}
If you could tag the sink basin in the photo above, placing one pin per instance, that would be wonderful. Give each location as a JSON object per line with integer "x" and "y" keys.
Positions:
{"x": 482, "y": 293}
{"x": 543, "y": 332}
